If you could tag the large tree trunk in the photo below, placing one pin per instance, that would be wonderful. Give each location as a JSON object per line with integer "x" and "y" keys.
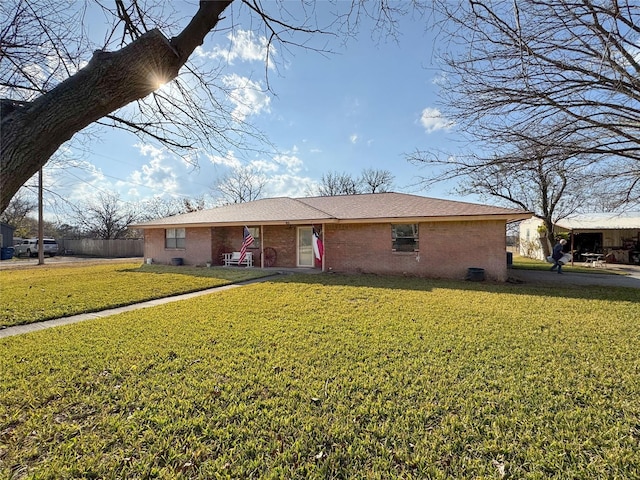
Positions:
{"x": 32, "y": 132}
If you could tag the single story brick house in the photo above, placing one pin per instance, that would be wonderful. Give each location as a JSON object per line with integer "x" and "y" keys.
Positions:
{"x": 383, "y": 233}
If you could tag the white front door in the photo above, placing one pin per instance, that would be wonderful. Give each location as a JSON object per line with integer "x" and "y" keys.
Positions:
{"x": 305, "y": 247}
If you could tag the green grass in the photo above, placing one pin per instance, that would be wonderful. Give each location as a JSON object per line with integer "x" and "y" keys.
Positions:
{"x": 41, "y": 293}
{"x": 330, "y": 376}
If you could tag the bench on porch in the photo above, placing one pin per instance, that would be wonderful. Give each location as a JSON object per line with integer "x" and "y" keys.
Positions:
{"x": 233, "y": 258}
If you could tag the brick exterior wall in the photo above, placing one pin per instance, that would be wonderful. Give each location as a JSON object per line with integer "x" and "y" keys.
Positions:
{"x": 207, "y": 244}
{"x": 283, "y": 239}
{"x": 446, "y": 249}
{"x": 198, "y": 246}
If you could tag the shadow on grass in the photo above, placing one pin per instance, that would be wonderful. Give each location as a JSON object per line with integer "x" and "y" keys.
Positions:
{"x": 232, "y": 275}
{"x": 566, "y": 290}
{"x": 537, "y": 281}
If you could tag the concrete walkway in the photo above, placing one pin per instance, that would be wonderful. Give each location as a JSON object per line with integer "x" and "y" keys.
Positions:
{"x": 33, "y": 327}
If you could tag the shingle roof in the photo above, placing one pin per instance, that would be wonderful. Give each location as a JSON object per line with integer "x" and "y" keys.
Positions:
{"x": 338, "y": 209}
{"x": 399, "y": 205}
{"x": 602, "y": 221}
{"x": 268, "y": 210}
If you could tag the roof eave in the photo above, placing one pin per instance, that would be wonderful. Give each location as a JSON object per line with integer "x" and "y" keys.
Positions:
{"x": 508, "y": 217}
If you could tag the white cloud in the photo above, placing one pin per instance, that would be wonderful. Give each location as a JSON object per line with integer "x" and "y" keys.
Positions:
{"x": 440, "y": 79}
{"x": 432, "y": 120}
{"x": 146, "y": 149}
{"x": 263, "y": 166}
{"x": 74, "y": 179}
{"x": 247, "y": 96}
{"x": 281, "y": 171}
{"x": 243, "y": 45}
{"x": 290, "y": 162}
{"x": 155, "y": 175}
{"x": 287, "y": 185}
{"x": 229, "y": 160}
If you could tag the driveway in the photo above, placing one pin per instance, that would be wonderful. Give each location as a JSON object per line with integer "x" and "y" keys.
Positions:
{"x": 62, "y": 259}
{"x": 630, "y": 277}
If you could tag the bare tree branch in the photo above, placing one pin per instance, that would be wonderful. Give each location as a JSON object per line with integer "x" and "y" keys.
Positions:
{"x": 240, "y": 185}
{"x": 56, "y": 89}
{"x": 556, "y": 75}
{"x": 106, "y": 218}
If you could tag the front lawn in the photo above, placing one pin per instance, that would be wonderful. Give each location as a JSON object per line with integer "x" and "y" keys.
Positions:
{"x": 44, "y": 292}
{"x": 330, "y": 376}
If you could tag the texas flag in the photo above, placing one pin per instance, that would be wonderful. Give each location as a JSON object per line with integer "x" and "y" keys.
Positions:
{"x": 318, "y": 248}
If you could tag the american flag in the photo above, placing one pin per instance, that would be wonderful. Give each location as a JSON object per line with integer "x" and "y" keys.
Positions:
{"x": 248, "y": 240}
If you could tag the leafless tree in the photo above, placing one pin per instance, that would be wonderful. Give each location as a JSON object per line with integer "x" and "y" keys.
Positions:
{"x": 21, "y": 214}
{"x": 160, "y": 207}
{"x": 544, "y": 72}
{"x": 106, "y": 218}
{"x": 55, "y": 87}
{"x": 193, "y": 204}
{"x": 370, "y": 181}
{"x": 240, "y": 185}
{"x": 376, "y": 181}
{"x": 20, "y": 206}
{"x": 547, "y": 181}
{"x": 335, "y": 183}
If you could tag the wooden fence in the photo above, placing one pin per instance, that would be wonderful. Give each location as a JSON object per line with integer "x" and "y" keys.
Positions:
{"x": 102, "y": 248}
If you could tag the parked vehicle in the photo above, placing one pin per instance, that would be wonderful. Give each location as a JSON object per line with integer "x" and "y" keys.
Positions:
{"x": 29, "y": 247}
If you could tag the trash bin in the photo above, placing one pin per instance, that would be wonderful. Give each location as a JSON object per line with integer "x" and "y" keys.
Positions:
{"x": 509, "y": 259}
{"x": 475, "y": 274}
{"x": 6, "y": 253}
{"x": 177, "y": 261}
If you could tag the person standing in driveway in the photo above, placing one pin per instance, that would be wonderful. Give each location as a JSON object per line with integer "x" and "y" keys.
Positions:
{"x": 557, "y": 255}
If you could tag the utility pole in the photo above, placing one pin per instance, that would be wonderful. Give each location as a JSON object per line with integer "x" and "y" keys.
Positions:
{"x": 40, "y": 221}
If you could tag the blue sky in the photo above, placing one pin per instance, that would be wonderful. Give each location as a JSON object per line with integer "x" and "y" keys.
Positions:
{"x": 364, "y": 106}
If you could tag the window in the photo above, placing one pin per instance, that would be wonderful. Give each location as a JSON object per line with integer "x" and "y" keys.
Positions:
{"x": 255, "y": 233}
{"x": 174, "y": 238}
{"x": 404, "y": 237}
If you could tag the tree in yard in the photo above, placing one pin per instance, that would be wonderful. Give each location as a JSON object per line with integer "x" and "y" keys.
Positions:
{"x": 548, "y": 181}
{"x": 22, "y": 215}
{"x": 48, "y": 113}
{"x": 68, "y": 231}
{"x": 335, "y": 183}
{"x": 55, "y": 88}
{"x": 370, "y": 181}
{"x": 376, "y": 181}
{"x": 17, "y": 214}
{"x": 242, "y": 184}
{"x": 159, "y": 207}
{"x": 108, "y": 218}
{"x": 545, "y": 76}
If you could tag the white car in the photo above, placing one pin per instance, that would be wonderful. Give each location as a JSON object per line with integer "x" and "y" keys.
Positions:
{"x": 29, "y": 247}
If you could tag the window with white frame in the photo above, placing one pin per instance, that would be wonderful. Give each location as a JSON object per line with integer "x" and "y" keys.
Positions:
{"x": 404, "y": 237}
{"x": 174, "y": 238}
